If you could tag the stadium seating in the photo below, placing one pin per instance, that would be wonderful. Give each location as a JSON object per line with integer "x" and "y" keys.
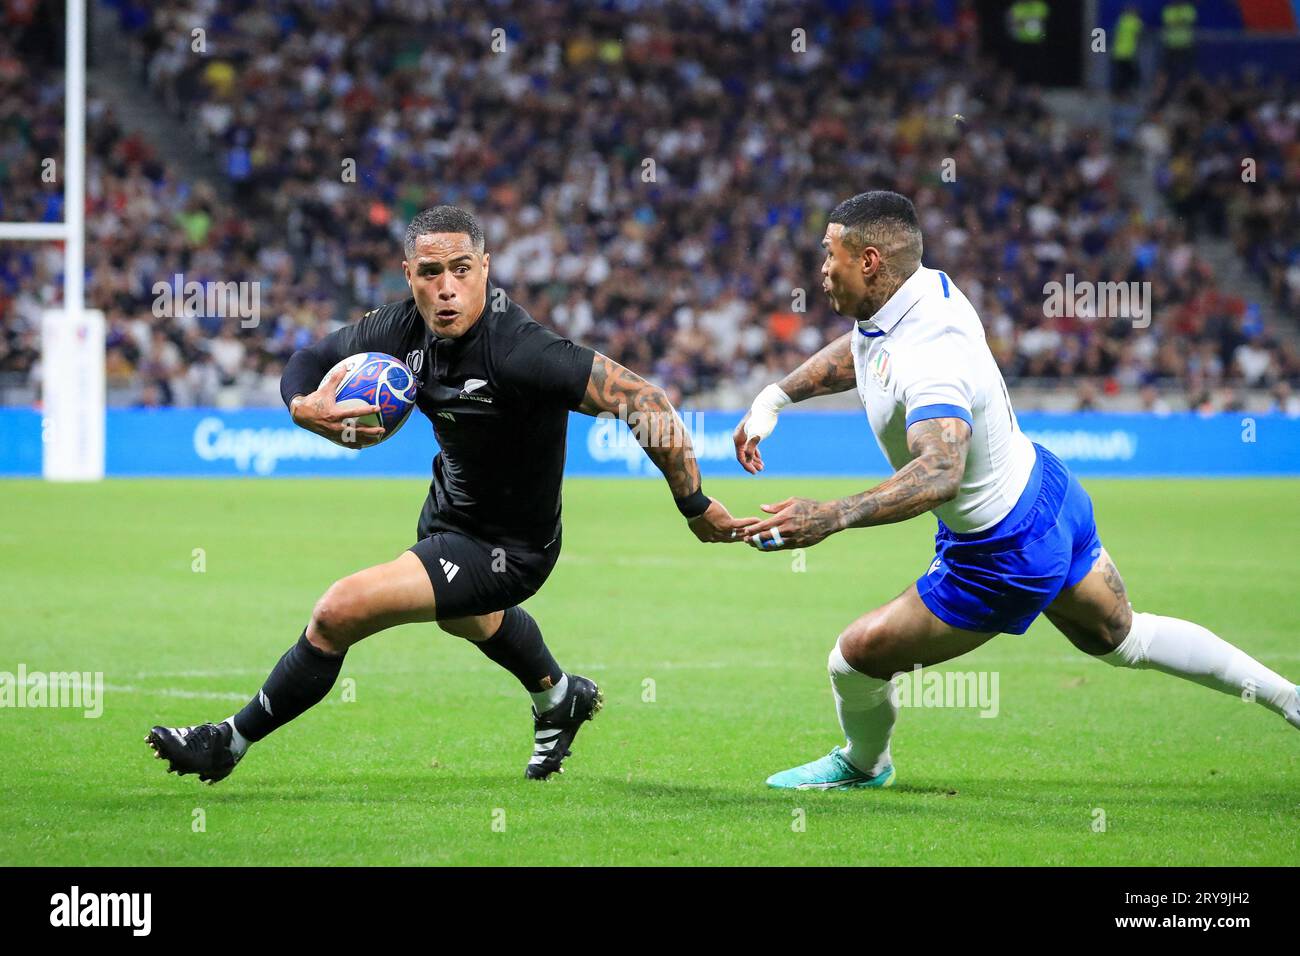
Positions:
{"x": 691, "y": 274}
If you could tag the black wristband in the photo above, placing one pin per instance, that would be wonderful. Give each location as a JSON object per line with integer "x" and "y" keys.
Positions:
{"x": 694, "y": 504}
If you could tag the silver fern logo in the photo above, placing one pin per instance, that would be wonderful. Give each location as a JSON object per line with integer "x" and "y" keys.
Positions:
{"x": 471, "y": 386}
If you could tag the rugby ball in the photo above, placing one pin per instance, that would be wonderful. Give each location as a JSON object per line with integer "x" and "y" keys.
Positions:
{"x": 374, "y": 378}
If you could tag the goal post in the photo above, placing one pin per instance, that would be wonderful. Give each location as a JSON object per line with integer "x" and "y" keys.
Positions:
{"x": 72, "y": 339}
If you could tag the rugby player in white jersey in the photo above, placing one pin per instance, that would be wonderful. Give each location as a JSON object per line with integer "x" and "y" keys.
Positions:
{"x": 1016, "y": 532}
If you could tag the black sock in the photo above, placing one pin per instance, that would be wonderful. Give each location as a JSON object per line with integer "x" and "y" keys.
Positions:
{"x": 518, "y": 647}
{"x": 299, "y": 681}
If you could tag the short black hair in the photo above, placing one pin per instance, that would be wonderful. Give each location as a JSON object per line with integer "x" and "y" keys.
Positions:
{"x": 443, "y": 219}
{"x": 877, "y": 218}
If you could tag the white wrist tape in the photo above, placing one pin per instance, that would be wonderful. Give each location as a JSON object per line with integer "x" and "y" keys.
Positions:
{"x": 762, "y": 414}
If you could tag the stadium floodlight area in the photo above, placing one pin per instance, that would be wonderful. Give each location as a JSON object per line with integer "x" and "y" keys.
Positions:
{"x": 72, "y": 337}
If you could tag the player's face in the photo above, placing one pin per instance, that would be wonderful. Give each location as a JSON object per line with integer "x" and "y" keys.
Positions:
{"x": 448, "y": 278}
{"x": 842, "y": 278}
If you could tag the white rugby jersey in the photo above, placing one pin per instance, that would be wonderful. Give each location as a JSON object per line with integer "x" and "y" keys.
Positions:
{"x": 923, "y": 355}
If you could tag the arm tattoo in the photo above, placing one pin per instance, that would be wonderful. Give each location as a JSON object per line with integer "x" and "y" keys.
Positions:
{"x": 932, "y": 477}
{"x": 827, "y": 372}
{"x": 1120, "y": 616}
{"x": 1115, "y": 582}
{"x": 613, "y": 390}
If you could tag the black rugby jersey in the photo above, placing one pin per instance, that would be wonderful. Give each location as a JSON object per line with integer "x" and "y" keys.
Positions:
{"x": 498, "y": 398}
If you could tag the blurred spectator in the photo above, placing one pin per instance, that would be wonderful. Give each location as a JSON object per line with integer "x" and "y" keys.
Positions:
{"x": 1124, "y": 49}
{"x": 1178, "y": 37}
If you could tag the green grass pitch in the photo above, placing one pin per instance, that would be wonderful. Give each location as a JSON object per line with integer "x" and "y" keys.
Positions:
{"x": 425, "y": 765}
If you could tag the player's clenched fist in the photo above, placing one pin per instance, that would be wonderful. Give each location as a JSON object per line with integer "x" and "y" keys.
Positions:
{"x": 757, "y": 424}
{"x": 319, "y": 413}
{"x": 747, "y": 452}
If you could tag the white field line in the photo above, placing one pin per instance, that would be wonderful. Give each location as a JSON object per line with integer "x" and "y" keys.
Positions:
{"x": 663, "y": 561}
{"x": 648, "y": 669}
{"x": 189, "y": 694}
{"x": 225, "y": 672}
{"x": 175, "y": 692}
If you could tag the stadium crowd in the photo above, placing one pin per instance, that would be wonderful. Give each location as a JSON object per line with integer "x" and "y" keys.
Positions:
{"x": 653, "y": 182}
{"x": 1208, "y": 140}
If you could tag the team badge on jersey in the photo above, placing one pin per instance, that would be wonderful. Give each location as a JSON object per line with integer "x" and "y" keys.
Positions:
{"x": 470, "y": 390}
{"x": 879, "y": 368}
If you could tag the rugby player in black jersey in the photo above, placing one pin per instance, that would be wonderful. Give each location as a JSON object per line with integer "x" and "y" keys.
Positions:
{"x": 498, "y": 388}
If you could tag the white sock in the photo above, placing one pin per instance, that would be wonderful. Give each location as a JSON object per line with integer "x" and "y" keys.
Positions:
{"x": 238, "y": 742}
{"x": 1190, "y": 651}
{"x": 544, "y": 700}
{"x": 867, "y": 710}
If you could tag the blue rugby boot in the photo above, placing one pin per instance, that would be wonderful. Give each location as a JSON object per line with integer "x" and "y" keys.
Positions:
{"x": 832, "y": 772}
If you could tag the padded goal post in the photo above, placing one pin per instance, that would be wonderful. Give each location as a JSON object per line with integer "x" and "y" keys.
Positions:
{"x": 72, "y": 338}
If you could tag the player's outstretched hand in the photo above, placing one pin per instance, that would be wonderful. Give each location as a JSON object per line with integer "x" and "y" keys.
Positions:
{"x": 318, "y": 413}
{"x": 717, "y": 524}
{"x": 747, "y": 452}
{"x": 795, "y": 523}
